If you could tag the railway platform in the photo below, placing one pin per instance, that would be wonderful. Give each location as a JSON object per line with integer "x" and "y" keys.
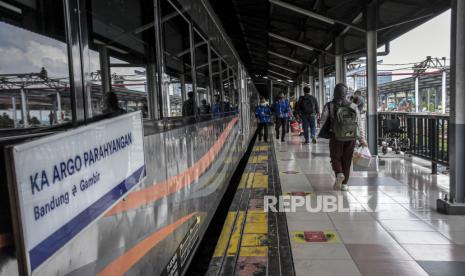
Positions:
{"x": 386, "y": 224}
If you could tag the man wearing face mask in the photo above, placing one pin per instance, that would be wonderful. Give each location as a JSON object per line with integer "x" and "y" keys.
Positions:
{"x": 263, "y": 113}
{"x": 345, "y": 129}
{"x": 281, "y": 110}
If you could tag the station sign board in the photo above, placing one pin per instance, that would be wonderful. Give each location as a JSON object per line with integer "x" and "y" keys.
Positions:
{"x": 62, "y": 183}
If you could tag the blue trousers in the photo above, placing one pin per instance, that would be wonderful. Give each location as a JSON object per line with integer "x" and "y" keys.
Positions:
{"x": 309, "y": 121}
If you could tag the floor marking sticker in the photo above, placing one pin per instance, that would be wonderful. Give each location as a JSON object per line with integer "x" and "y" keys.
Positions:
{"x": 315, "y": 237}
{"x": 291, "y": 172}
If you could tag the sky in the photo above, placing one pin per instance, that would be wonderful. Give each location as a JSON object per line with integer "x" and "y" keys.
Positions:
{"x": 430, "y": 39}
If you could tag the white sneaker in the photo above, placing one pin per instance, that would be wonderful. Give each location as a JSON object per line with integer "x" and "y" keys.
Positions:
{"x": 339, "y": 179}
{"x": 344, "y": 187}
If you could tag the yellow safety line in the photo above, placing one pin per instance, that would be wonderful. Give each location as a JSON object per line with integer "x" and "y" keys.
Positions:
{"x": 220, "y": 248}
{"x": 236, "y": 235}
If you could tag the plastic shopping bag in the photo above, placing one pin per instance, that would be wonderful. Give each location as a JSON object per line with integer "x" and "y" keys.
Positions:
{"x": 362, "y": 157}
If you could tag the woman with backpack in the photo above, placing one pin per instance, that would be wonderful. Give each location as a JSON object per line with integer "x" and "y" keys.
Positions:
{"x": 342, "y": 125}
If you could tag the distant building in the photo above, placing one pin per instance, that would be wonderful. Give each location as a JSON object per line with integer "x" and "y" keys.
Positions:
{"x": 355, "y": 79}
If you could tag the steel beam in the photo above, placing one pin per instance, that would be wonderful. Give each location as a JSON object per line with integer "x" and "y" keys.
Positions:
{"x": 296, "y": 43}
{"x": 285, "y": 57}
{"x": 371, "y": 42}
{"x": 314, "y": 15}
{"x": 279, "y": 74}
{"x": 282, "y": 67}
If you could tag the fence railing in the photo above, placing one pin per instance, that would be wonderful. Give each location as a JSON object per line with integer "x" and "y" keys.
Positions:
{"x": 428, "y": 134}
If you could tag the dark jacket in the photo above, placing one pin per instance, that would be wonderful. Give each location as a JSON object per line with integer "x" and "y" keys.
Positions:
{"x": 188, "y": 107}
{"x": 307, "y": 105}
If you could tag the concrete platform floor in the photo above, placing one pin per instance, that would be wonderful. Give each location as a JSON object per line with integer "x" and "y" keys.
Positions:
{"x": 391, "y": 227}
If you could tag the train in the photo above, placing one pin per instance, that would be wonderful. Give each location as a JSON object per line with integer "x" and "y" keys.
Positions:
{"x": 151, "y": 54}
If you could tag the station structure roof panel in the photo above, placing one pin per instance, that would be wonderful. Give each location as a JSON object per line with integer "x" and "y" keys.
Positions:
{"x": 267, "y": 33}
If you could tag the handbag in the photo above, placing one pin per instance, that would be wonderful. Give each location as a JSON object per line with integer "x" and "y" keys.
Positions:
{"x": 325, "y": 131}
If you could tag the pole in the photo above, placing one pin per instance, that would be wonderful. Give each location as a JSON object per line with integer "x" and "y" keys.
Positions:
{"x": 271, "y": 92}
{"x": 455, "y": 203}
{"x": 339, "y": 59}
{"x": 457, "y": 158}
{"x": 58, "y": 114}
{"x": 371, "y": 41}
{"x": 104, "y": 69}
{"x": 444, "y": 92}
{"x": 24, "y": 108}
{"x": 321, "y": 80}
{"x": 15, "y": 119}
{"x": 311, "y": 80}
{"x": 417, "y": 96}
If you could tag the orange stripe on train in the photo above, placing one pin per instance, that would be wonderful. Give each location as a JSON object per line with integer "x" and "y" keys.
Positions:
{"x": 124, "y": 262}
{"x": 175, "y": 183}
{"x": 6, "y": 239}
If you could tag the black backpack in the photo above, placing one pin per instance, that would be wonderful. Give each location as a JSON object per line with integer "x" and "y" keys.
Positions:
{"x": 307, "y": 105}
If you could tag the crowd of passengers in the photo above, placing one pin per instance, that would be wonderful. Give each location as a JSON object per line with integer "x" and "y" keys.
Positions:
{"x": 342, "y": 122}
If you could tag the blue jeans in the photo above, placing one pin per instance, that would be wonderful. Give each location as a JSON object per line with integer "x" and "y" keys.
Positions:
{"x": 309, "y": 121}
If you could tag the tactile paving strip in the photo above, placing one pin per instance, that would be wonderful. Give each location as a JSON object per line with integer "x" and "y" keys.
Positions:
{"x": 248, "y": 244}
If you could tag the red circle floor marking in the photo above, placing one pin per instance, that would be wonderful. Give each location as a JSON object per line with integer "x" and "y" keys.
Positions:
{"x": 291, "y": 172}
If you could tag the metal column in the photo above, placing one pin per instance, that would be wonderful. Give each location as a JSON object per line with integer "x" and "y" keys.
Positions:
{"x": 105, "y": 74}
{"x": 152, "y": 105}
{"x": 417, "y": 96}
{"x": 24, "y": 108}
{"x": 339, "y": 59}
{"x": 271, "y": 92}
{"x": 455, "y": 203}
{"x": 311, "y": 81}
{"x": 58, "y": 114}
{"x": 371, "y": 42}
{"x": 15, "y": 117}
{"x": 321, "y": 81}
{"x": 159, "y": 59}
{"x": 443, "y": 92}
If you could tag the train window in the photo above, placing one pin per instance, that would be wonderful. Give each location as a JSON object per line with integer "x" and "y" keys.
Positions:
{"x": 202, "y": 74}
{"x": 34, "y": 72}
{"x": 216, "y": 79}
{"x": 121, "y": 53}
{"x": 178, "y": 93}
{"x": 234, "y": 89}
{"x": 226, "y": 87}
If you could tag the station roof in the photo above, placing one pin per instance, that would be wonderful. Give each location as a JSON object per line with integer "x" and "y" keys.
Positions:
{"x": 267, "y": 33}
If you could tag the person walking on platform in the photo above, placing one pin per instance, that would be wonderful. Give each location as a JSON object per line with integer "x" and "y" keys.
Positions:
{"x": 263, "y": 114}
{"x": 358, "y": 99}
{"x": 281, "y": 110}
{"x": 341, "y": 123}
{"x": 307, "y": 109}
{"x": 204, "y": 107}
{"x": 188, "y": 107}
